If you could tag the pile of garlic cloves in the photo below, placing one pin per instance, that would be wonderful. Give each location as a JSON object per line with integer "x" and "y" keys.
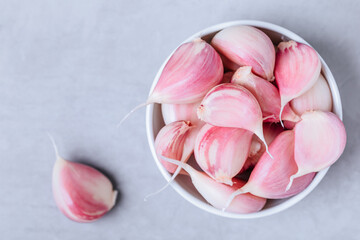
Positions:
{"x": 239, "y": 106}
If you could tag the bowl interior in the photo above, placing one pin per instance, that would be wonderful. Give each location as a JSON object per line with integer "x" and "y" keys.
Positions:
{"x": 182, "y": 184}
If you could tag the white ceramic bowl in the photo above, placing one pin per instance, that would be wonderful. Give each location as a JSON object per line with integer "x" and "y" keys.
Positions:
{"x": 182, "y": 184}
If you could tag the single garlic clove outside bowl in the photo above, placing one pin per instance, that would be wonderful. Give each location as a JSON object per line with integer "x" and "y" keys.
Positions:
{"x": 182, "y": 184}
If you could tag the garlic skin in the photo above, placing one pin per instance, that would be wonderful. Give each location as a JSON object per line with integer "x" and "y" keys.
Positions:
{"x": 193, "y": 69}
{"x": 320, "y": 139}
{"x": 221, "y": 152}
{"x": 177, "y": 112}
{"x": 316, "y": 98}
{"x": 81, "y": 192}
{"x": 170, "y": 142}
{"x": 247, "y": 46}
{"x": 217, "y": 194}
{"x": 226, "y": 105}
{"x": 296, "y": 70}
{"x": 270, "y": 177}
{"x": 265, "y": 93}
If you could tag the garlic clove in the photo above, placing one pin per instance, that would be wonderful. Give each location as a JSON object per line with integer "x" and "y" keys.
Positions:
{"x": 270, "y": 177}
{"x": 247, "y": 46}
{"x": 257, "y": 148}
{"x": 82, "y": 193}
{"x": 265, "y": 93}
{"x": 170, "y": 143}
{"x": 176, "y": 112}
{"x": 226, "y": 105}
{"x": 193, "y": 69}
{"x": 316, "y": 98}
{"x": 296, "y": 70}
{"x": 221, "y": 152}
{"x": 217, "y": 194}
{"x": 188, "y": 149}
{"x": 187, "y": 142}
{"x": 320, "y": 139}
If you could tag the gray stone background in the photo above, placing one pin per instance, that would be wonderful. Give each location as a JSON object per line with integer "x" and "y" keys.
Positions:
{"x": 74, "y": 68}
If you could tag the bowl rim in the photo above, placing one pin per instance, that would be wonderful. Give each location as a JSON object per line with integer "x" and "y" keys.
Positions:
{"x": 337, "y": 109}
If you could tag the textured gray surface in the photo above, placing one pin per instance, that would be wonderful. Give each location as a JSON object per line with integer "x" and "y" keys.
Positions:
{"x": 74, "y": 68}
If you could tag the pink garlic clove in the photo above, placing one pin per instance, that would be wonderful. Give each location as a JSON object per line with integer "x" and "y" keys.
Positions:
{"x": 227, "y": 77}
{"x": 217, "y": 194}
{"x": 221, "y": 152}
{"x": 296, "y": 70}
{"x": 247, "y": 46}
{"x": 316, "y": 98}
{"x": 270, "y": 177}
{"x": 257, "y": 148}
{"x": 181, "y": 133}
{"x": 265, "y": 93}
{"x": 81, "y": 192}
{"x": 188, "y": 149}
{"x": 231, "y": 105}
{"x": 170, "y": 143}
{"x": 320, "y": 139}
{"x": 192, "y": 70}
{"x": 176, "y": 112}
